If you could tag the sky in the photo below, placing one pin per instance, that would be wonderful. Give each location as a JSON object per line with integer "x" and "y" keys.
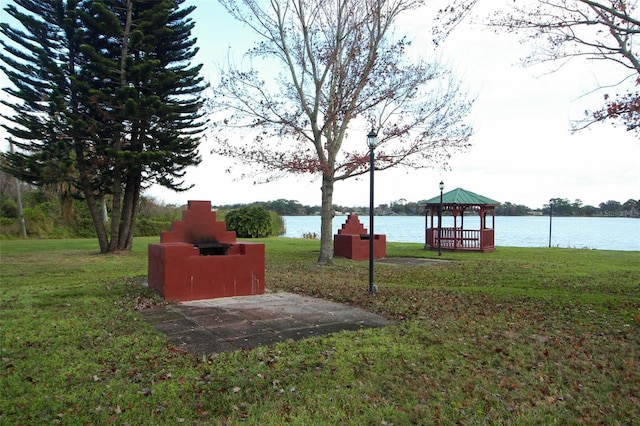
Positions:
{"x": 522, "y": 150}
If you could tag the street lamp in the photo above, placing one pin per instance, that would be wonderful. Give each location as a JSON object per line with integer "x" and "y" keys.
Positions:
{"x": 372, "y": 142}
{"x": 441, "y": 186}
{"x": 550, "y": 219}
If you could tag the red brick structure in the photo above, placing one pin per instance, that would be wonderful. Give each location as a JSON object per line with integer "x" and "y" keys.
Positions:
{"x": 352, "y": 241}
{"x": 200, "y": 259}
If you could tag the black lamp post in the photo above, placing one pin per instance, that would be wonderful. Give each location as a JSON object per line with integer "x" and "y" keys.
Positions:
{"x": 550, "y": 219}
{"x": 441, "y": 186}
{"x": 372, "y": 142}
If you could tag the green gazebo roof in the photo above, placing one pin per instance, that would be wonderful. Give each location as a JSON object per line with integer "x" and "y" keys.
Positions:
{"x": 460, "y": 196}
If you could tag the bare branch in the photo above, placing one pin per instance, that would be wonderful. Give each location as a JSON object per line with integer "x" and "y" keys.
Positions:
{"x": 338, "y": 66}
{"x": 594, "y": 30}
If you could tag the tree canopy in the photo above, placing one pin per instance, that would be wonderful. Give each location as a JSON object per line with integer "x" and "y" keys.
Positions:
{"x": 341, "y": 71}
{"x": 105, "y": 101}
{"x": 593, "y": 30}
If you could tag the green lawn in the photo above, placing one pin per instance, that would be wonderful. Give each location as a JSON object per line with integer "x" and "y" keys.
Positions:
{"x": 515, "y": 336}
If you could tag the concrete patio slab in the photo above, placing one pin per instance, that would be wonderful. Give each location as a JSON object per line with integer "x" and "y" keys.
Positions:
{"x": 245, "y": 322}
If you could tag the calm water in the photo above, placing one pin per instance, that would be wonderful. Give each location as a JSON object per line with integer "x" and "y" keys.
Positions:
{"x": 519, "y": 231}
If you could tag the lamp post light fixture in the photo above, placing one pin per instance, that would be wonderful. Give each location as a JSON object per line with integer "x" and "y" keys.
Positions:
{"x": 372, "y": 142}
{"x": 441, "y": 186}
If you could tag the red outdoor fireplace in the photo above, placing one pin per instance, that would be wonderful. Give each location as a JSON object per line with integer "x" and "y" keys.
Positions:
{"x": 352, "y": 241}
{"x": 200, "y": 259}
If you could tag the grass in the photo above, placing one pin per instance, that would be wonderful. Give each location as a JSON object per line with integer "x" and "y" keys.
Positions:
{"x": 515, "y": 336}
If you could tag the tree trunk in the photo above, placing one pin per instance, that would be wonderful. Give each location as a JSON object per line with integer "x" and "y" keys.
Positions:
{"x": 129, "y": 211}
{"x": 134, "y": 215}
{"x": 105, "y": 213}
{"x": 87, "y": 190}
{"x": 66, "y": 207}
{"x": 23, "y": 226}
{"x": 326, "y": 221}
{"x": 117, "y": 211}
{"x": 101, "y": 231}
{"x": 116, "y": 206}
{"x": 96, "y": 217}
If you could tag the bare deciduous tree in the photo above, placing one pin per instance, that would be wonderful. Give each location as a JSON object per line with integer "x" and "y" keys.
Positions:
{"x": 340, "y": 71}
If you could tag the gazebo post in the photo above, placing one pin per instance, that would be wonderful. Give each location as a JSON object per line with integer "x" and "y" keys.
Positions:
{"x": 455, "y": 229}
{"x": 482, "y": 228}
{"x": 426, "y": 227}
{"x": 432, "y": 240}
{"x": 462, "y": 227}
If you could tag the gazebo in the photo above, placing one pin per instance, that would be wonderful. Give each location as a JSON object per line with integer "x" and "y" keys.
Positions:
{"x": 460, "y": 203}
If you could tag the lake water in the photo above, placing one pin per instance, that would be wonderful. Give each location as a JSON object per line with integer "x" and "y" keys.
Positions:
{"x": 604, "y": 233}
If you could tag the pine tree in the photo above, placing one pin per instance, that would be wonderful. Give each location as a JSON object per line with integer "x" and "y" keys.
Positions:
{"x": 37, "y": 62}
{"x": 106, "y": 93}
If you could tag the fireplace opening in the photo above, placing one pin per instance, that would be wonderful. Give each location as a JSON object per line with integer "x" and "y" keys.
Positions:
{"x": 213, "y": 248}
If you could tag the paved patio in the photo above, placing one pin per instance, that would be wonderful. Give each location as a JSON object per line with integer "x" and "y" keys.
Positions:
{"x": 233, "y": 323}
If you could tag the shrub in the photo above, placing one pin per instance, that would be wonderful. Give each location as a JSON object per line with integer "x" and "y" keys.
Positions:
{"x": 277, "y": 224}
{"x": 8, "y": 207}
{"x": 150, "y": 228}
{"x": 7, "y": 221}
{"x": 249, "y": 222}
{"x": 39, "y": 224}
{"x": 9, "y": 228}
{"x": 62, "y": 232}
{"x": 85, "y": 228}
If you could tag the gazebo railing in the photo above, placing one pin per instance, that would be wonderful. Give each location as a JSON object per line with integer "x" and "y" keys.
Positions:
{"x": 460, "y": 239}
{"x": 488, "y": 238}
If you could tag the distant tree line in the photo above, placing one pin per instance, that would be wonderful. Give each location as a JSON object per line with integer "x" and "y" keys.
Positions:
{"x": 46, "y": 216}
{"x": 281, "y": 206}
{"x": 561, "y": 207}
{"x": 564, "y": 207}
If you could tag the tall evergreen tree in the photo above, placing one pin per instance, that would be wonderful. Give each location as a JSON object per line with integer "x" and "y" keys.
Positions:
{"x": 38, "y": 61}
{"x": 108, "y": 87}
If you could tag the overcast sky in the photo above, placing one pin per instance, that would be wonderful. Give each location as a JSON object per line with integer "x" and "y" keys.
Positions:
{"x": 522, "y": 149}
